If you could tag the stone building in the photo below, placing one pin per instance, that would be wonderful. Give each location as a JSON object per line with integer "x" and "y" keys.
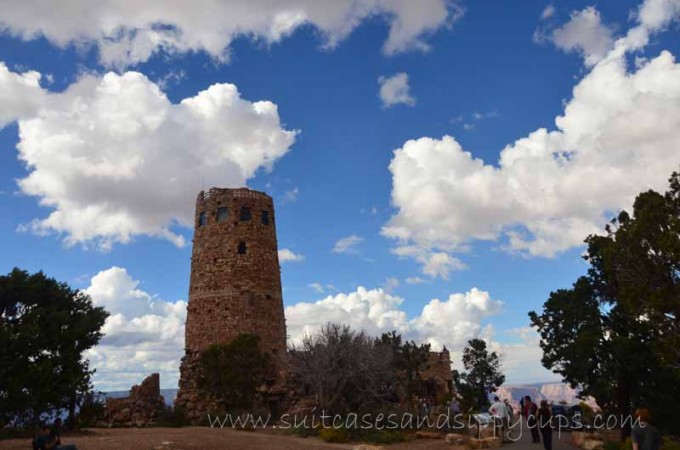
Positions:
{"x": 436, "y": 373}
{"x": 235, "y": 284}
{"x": 142, "y": 407}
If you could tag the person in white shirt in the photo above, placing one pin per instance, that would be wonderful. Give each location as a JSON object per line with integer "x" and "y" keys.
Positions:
{"x": 501, "y": 415}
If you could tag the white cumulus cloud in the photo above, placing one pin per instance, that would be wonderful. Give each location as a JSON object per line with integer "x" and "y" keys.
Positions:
{"x": 20, "y": 94}
{"x": 395, "y": 90}
{"x": 619, "y": 135}
{"x": 286, "y": 255}
{"x": 451, "y": 322}
{"x": 142, "y": 335}
{"x": 145, "y": 334}
{"x": 348, "y": 244}
{"x": 112, "y": 157}
{"x": 584, "y": 33}
{"x": 128, "y": 32}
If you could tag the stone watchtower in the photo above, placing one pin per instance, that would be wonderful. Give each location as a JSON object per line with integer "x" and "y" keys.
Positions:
{"x": 235, "y": 284}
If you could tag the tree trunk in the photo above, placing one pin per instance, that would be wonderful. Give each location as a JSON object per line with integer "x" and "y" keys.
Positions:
{"x": 71, "y": 421}
{"x": 624, "y": 406}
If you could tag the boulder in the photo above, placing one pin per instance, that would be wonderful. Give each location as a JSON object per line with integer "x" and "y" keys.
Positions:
{"x": 484, "y": 432}
{"x": 429, "y": 435}
{"x": 592, "y": 444}
{"x": 455, "y": 439}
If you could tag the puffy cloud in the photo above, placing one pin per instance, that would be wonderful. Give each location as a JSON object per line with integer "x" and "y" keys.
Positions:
{"x": 434, "y": 264}
{"x": 370, "y": 310}
{"x": 348, "y": 244}
{"x": 117, "y": 292}
{"x": 20, "y": 94}
{"x": 653, "y": 16}
{"x": 113, "y": 157}
{"x": 127, "y": 32}
{"x": 286, "y": 255}
{"x": 657, "y": 14}
{"x": 585, "y": 33}
{"x": 414, "y": 280}
{"x": 145, "y": 334}
{"x": 619, "y": 135}
{"x": 449, "y": 323}
{"x": 395, "y": 90}
{"x": 142, "y": 335}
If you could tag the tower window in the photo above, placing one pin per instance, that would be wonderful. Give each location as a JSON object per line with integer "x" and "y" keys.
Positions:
{"x": 265, "y": 217}
{"x": 222, "y": 214}
{"x": 201, "y": 219}
{"x": 242, "y": 248}
{"x": 245, "y": 214}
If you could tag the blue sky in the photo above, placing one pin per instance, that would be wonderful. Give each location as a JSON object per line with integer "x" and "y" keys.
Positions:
{"x": 454, "y": 219}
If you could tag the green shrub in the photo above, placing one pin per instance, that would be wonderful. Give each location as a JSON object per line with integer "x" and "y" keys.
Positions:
{"x": 173, "y": 418}
{"x": 91, "y": 411}
{"x": 337, "y": 435}
{"x": 611, "y": 445}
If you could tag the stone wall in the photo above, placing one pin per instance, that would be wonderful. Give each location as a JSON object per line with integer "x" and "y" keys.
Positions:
{"x": 141, "y": 408}
{"x": 437, "y": 372}
{"x": 235, "y": 284}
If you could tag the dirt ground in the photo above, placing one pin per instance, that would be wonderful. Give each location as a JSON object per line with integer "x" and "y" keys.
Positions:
{"x": 198, "y": 438}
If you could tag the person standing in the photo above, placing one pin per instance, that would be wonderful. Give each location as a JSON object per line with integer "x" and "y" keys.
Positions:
{"x": 508, "y": 407}
{"x": 644, "y": 435}
{"x": 499, "y": 412}
{"x": 544, "y": 418}
{"x": 530, "y": 411}
{"x": 454, "y": 407}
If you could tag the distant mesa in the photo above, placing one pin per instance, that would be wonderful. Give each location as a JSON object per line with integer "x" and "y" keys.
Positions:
{"x": 552, "y": 392}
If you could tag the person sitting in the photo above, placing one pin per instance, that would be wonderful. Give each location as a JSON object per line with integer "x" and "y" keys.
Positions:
{"x": 50, "y": 439}
{"x": 41, "y": 441}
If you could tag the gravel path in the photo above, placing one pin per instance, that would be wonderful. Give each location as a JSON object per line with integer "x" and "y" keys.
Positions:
{"x": 201, "y": 438}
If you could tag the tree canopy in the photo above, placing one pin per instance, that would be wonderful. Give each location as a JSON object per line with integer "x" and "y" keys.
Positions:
{"x": 231, "y": 373}
{"x": 345, "y": 370}
{"x": 615, "y": 332}
{"x": 45, "y": 326}
{"x": 407, "y": 360}
{"x": 483, "y": 375}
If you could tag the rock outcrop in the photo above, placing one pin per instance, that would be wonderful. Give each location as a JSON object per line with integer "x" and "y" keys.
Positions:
{"x": 141, "y": 408}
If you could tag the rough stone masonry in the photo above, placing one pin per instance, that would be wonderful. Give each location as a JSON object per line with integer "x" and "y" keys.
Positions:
{"x": 141, "y": 408}
{"x": 235, "y": 284}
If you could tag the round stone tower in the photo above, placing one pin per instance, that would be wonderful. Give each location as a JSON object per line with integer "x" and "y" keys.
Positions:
{"x": 235, "y": 284}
